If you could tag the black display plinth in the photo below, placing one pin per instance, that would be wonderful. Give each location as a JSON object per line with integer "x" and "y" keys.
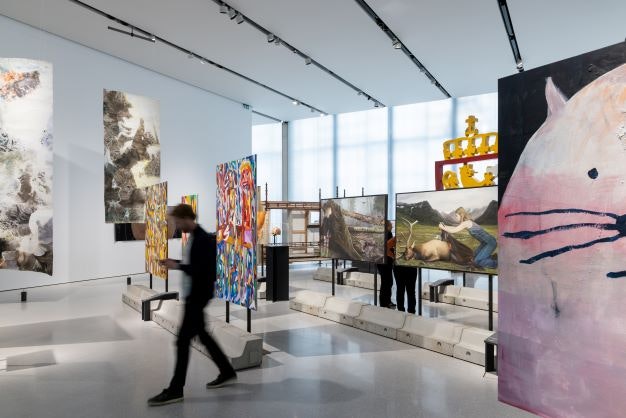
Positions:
{"x": 277, "y": 278}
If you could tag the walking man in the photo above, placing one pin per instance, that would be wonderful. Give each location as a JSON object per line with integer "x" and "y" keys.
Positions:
{"x": 198, "y": 266}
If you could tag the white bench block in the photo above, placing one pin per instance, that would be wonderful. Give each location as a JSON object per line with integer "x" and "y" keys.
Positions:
{"x": 262, "y": 290}
{"x": 324, "y": 274}
{"x": 381, "y": 321}
{"x": 359, "y": 279}
{"x": 450, "y": 294}
{"x": 243, "y": 350}
{"x": 472, "y": 345}
{"x": 476, "y": 298}
{"x": 426, "y": 290}
{"x": 432, "y": 334}
{"x": 135, "y": 293}
{"x": 341, "y": 310}
{"x": 309, "y": 302}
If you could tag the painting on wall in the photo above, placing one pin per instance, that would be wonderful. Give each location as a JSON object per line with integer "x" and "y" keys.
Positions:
{"x": 26, "y": 163}
{"x": 137, "y": 231}
{"x": 453, "y": 229}
{"x": 236, "y": 232}
{"x": 353, "y": 228}
{"x": 562, "y": 275}
{"x": 132, "y": 154}
{"x": 191, "y": 200}
{"x": 156, "y": 229}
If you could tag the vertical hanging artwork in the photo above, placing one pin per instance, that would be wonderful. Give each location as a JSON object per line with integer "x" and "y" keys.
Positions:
{"x": 191, "y": 200}
{"x": 132, "y": 154}
{"x": 561, "y": 338}
{"x": 156, "y": 229}
{"x": 236, "y": 231}
{"x": 26, "y": 163}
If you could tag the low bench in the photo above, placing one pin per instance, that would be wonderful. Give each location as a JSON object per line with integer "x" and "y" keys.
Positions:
{"x": 381, "y": 321}
{"x": 341, "y": 310}
{"x": 472, "y": 345}
{"x": 360, "y": 279}
{"x": 433, "y": 334}
{"x": 308, "y": 301}
{"x": 324, "y": 274}
{"x": 476, "y": 298}
{"x": 340, "y": 272}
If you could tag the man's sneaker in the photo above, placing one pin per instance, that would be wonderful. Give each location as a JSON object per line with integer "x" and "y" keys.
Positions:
{"x": 222, "y": 380}
{"x": 166, "y": 397}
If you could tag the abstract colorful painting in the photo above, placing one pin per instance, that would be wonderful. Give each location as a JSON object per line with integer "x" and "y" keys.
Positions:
{"x": 353, "y": 228}
{"x": 26, "y": 162}
{"x": 156, "y": 229}
{"x": 137, "y": 231}
{"x": 236, "y": 232}
{"x": 561, "y": 336}
{"x": 449, "y": 229}
{"x": 132, "y": 154}
{"x": 191, "y": 200}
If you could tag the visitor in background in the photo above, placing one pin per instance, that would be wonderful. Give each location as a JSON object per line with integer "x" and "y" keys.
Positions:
{"x": 386, "y": 270}
{"x": 199, "y": 268}
{"x": 405, "y": 281}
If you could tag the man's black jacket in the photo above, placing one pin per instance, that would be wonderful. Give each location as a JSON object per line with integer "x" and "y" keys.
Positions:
{"x": 201, "y": 267}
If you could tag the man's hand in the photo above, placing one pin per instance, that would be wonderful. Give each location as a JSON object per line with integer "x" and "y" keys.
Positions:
{"x": 169, "y": 263}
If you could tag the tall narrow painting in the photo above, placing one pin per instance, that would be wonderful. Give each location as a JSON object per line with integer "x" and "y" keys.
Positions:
{"x": 561, "y": 336}
{"x": 236, "y": 232}
{"x": 132, "y": 154}
{"x": 156, "y": 229}
{"x": 26, "y": 161}
{"x": 191, "y": 200}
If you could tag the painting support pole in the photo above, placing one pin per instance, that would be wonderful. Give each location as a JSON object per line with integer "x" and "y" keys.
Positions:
{"x": 262, "y": 261}
{"x": 150, "y": 280}
{"x": 464, "y": 282}
{"x": 23, "y": 296}
{"x": 249, "y": 320}
{"x": 375, "y": 287}
{"x": 332, "y": 274}
{"x": 491, "y": 302}
{"x": 128, "y": 281}
{"x": 167, "y": 281}
{"x": 228, "y": 311}
{"x": 419, "y": 286}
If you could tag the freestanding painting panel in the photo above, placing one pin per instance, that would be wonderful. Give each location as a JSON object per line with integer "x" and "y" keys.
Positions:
{"x": 450, "y": 230}
{"x": 137, "y": 231}
{"x": 132, "y": 154}
{"x": 26, "y": 161}
{"x": 156, "y": 229}
{"x": 236, "y": 231}
{"x": 562, "y": 341}
{"x": 191, "y": 200}
{"x": 353, "y": 228}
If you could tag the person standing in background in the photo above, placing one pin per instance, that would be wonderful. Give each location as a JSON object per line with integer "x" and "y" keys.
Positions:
{"x": 405, "y": 281}
{"x": 386, "y": 270}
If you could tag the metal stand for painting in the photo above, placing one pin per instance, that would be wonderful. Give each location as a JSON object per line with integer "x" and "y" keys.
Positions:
{"x": 150, "y": 280}
{"x": 332, "y": 274}
{"x": 227, "y": 311}
{"x": 464, "y": 280}
{"x": 23, "y": 296}
{"x": 375, "y": 286}
{"x": 128, "y": 282}
{"x": 419, "y": 287}
{"x": 491, "y": 302}
{"x": 249, "y": 320}
{"x": 167, "y": 281}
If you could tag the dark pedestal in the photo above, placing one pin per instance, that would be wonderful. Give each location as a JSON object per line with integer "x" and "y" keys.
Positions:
{"x": 277, "y": 278}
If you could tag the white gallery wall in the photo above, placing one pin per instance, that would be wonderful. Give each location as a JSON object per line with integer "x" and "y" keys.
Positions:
{"x": 198, "y": 131}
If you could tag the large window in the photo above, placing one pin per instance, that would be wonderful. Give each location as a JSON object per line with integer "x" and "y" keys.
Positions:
{"x": 267, "y": 145}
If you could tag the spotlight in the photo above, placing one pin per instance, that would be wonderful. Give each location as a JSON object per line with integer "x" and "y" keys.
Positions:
{"x": 307, "y": 61}
{"x": 277, "y": 41}
{"x": 519, "y": 64}
{"x": 239, "y": 19}
{"x": 376, "y": 104}
{"x": 295, "y": 102}
{"x": 312, "y": 110}
{"x": 322, "y": 114}
{"x": 223, "y": 9}
{"x": 270, "y": 37}
{"x": 190, "y": 55}
{"x": 396, "y": 44}
{"x": 202, "y": 61}
{"x": 232, "y": 13}
{"x": 360, "y": 93}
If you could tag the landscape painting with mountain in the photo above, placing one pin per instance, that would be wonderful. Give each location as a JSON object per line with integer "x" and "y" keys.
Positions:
{"x": 448, "y": 230}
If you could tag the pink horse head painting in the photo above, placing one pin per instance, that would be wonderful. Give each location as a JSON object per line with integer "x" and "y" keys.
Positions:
{"x": 562, "y": 331}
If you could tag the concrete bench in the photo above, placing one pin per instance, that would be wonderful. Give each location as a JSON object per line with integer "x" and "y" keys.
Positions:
{"x": 450, "y": 293}
{"x": 341, "y": 310}
{"x": 262, "y": 290}
{"x": 341, "y": 271}
{"x": 359, "y": 279}
{"x": 324, "y": 274}
{"x": 426, "y": 290}
{"x": 433, "y": 334}
{"x": 476, "y": 298}
{"x": 381, "y": 321}
{"x": 472, "y": 345}
{"x": 134, "y": 294}
{"x": 309, "y": 302}
{"x": 436, "y": 288}
{"x": 243, "y": 350}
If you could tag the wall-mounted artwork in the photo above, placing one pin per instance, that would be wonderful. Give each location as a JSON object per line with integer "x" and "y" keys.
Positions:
{"x": 191, "y": 200}
{"x": 26, "y": 162}
{"x": 353, "y": 228}
{"x": 137, "y": 231}
{"x": 450, "y": 230}
{"x": 156, "y": 229}
{"x": 563, "y": 237}
{"x": 236, "y": 231}
{"x": 132, "y": 154}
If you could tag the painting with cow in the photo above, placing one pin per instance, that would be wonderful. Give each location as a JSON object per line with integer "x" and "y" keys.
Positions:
{"x": 448, "y": 230}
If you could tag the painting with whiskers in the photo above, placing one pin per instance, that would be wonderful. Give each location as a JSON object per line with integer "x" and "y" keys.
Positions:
{"x": 562, "y": 269}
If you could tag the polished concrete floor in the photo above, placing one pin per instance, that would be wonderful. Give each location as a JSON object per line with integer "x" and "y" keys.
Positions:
{"x": 77, "y": 351}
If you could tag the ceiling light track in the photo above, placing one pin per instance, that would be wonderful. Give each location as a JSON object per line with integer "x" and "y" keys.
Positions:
{"x": 190, "y": 54}
{"x": 267, "y": 116}
{"x": 508, "y": 27}
{"x": 399, "y": 45}
{"x": 132, "y": 34}
{"x": 271, "y": 37}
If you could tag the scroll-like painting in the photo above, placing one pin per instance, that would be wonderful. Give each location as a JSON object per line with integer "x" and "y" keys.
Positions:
{"x": 236, "y": 231}
{"x": 562, "y": 333}
{"x": 132, "y": 154}
{"x": 26, "y": 162}
{"x": 156, "y": 229}
{"x": 191, "y": 200}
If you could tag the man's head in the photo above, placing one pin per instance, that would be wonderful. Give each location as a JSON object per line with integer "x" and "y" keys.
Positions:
{"x": 185, "y": 217}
